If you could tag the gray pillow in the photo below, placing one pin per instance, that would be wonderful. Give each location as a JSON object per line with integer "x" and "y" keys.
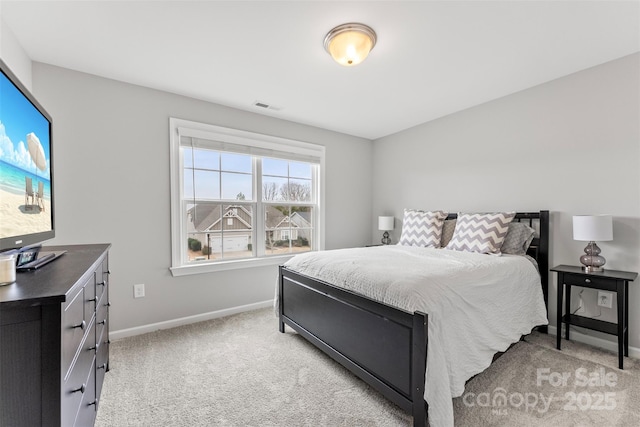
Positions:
{"x": 447, "y": 232}
{"x": 518, "y": 239}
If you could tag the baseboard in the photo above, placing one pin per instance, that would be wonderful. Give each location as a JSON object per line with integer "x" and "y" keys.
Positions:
{"x": 138, "y": 330}
{"x": 596, "y": 342}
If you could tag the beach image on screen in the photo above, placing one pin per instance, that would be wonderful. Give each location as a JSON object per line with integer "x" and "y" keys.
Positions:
{"x": 25, "y": 165}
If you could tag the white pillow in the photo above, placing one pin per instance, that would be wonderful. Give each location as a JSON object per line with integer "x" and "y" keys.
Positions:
{"x": 420, "y": 228}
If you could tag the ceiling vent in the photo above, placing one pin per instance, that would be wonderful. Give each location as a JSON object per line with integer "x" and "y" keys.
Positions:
{"x": 266, "y": 106}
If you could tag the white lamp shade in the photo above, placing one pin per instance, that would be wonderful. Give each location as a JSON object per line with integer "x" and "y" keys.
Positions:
{"x": 385, "y": 223}
{"x": 593, "y": 228}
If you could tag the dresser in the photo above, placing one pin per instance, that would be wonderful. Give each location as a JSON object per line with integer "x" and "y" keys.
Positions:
{"x": 54, "y": 340}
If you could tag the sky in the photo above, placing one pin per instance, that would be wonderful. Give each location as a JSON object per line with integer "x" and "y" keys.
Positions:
{"x": 18, "y": 117}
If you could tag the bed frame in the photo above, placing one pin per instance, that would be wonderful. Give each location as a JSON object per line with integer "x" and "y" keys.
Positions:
{"x": 384, "y": 346}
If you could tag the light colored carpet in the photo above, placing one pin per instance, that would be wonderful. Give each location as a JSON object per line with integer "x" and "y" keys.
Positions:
{"x": 240, "y": 371}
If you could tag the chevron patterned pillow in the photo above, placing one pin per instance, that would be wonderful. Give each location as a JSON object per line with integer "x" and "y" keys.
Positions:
{"x": 483, "y": 233}
{"x": 420, "y": 228}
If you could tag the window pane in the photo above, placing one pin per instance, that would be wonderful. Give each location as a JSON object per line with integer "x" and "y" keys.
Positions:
{"x": 300, "y": 170}
{"x": 203, "y": 217}
{"x": 302, "y": 216}
{"x": 206, "y": 159}
{"x": 237, "y": 186}
{"x": 235, "y": 239}
{"x": 238, "y": 218}
{"x": 274, "y": 167}
{"x": 299, "y": 190}
{"x": 188, "y": 184}
{"x": 186, "y": 156}
{"x": 207, "y": 185}
{"x": 288, "y": 229}
{"x": 195, "y": 246}
{"x": 219, "y": 231}
{"x": 301, "y": 242}
{"x": 274, "y": 189}
{"x": 236, "y": 163}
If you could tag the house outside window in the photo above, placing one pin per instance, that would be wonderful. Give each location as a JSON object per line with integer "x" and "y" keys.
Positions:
{"x": 240, "y": 199}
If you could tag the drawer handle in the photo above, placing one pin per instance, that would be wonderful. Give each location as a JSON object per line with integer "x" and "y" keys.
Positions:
{"x": 92, "y": 403}
{"x": 101, "y": 284}
{"x": 94, "y": 299}
{"x": 81, "y": 389}
{"x": 108, "y": 304}
{"x": 587, "y": 280}
{"x": 103, "y": 322}
{"x": 107, "y": 342}
{"x": 81, "y": 325}
{"x": 92, "y": 348}
{"x": 103, "y": 366}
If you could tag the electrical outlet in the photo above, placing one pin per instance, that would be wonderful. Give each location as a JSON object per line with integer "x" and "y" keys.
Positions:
{"x": 605, "y": 299}
{"x": 138, "y": 290}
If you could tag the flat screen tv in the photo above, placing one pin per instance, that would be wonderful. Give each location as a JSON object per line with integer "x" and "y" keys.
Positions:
{"x": 26, "y": 176}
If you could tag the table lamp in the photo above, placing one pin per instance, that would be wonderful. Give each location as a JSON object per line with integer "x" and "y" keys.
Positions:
{"x": 385, "y": 223}
{"x": 589, "y": 228}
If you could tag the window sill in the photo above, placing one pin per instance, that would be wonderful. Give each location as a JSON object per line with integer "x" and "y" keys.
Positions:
{"x": 213, "y": 267}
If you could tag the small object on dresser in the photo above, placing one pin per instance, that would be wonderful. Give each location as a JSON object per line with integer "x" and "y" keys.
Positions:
{"x": 7, "y": 269}
{"x": 589, "y": 228}
{"x": 385, "y": 223}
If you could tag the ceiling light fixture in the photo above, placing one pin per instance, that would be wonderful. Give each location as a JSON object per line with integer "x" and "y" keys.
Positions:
{"x": 349, "y": 44}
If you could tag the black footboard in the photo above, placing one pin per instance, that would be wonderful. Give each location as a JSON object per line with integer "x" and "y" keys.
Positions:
{"x": 384, "y": 346}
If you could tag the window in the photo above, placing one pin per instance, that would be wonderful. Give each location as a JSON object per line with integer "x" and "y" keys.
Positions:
{"x": 240, "y": 198}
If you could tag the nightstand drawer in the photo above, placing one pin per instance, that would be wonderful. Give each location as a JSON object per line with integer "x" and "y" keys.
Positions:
{"x": 590, "y": 282}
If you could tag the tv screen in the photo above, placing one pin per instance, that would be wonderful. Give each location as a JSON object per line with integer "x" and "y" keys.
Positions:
{"x": 26, "y": 178}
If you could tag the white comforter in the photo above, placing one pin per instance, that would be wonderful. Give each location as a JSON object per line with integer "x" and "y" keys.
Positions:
{"x": 477, "y": 304}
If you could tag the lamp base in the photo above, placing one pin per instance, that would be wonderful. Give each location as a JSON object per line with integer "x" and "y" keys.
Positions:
{"x": 385, "y": 238}
{"x": 591, "y": 260}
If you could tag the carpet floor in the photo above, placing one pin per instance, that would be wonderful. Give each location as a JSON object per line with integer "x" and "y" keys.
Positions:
{"x": 240, "y": 371}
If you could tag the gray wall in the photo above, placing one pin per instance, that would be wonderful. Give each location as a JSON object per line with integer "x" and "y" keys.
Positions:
{"x": 571, "y": 146}
{"x": 111, "y": 165}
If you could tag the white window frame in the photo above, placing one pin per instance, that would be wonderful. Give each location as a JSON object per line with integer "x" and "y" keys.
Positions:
{"x": 181, "y": 127}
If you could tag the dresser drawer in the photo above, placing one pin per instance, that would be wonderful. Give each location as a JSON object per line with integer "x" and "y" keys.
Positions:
{"x": 90, "y": 298}
{"x": 102, "y": 277}
{"x": 102, "y": 314}
{"x": 87, "y": 411}
{"x": 77, "y": 386}
{"x": 74, "y": 327}
{"x": 102, "y": 361}
{"x": 602, "y": 283}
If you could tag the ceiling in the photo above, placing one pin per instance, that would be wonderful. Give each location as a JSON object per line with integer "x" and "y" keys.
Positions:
{"x": 432, "y": 58}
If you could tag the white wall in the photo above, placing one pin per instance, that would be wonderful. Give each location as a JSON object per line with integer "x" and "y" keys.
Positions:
{"x": 13, "y": 54}
{"x": 111, "y": 167}
{"x": 571, "y": 146}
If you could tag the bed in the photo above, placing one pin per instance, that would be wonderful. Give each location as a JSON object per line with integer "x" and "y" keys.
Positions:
{"x": 381, "y": 343}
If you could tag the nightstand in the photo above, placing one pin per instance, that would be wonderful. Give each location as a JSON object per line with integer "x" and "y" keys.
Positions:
{"x": 607, "y": 280}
